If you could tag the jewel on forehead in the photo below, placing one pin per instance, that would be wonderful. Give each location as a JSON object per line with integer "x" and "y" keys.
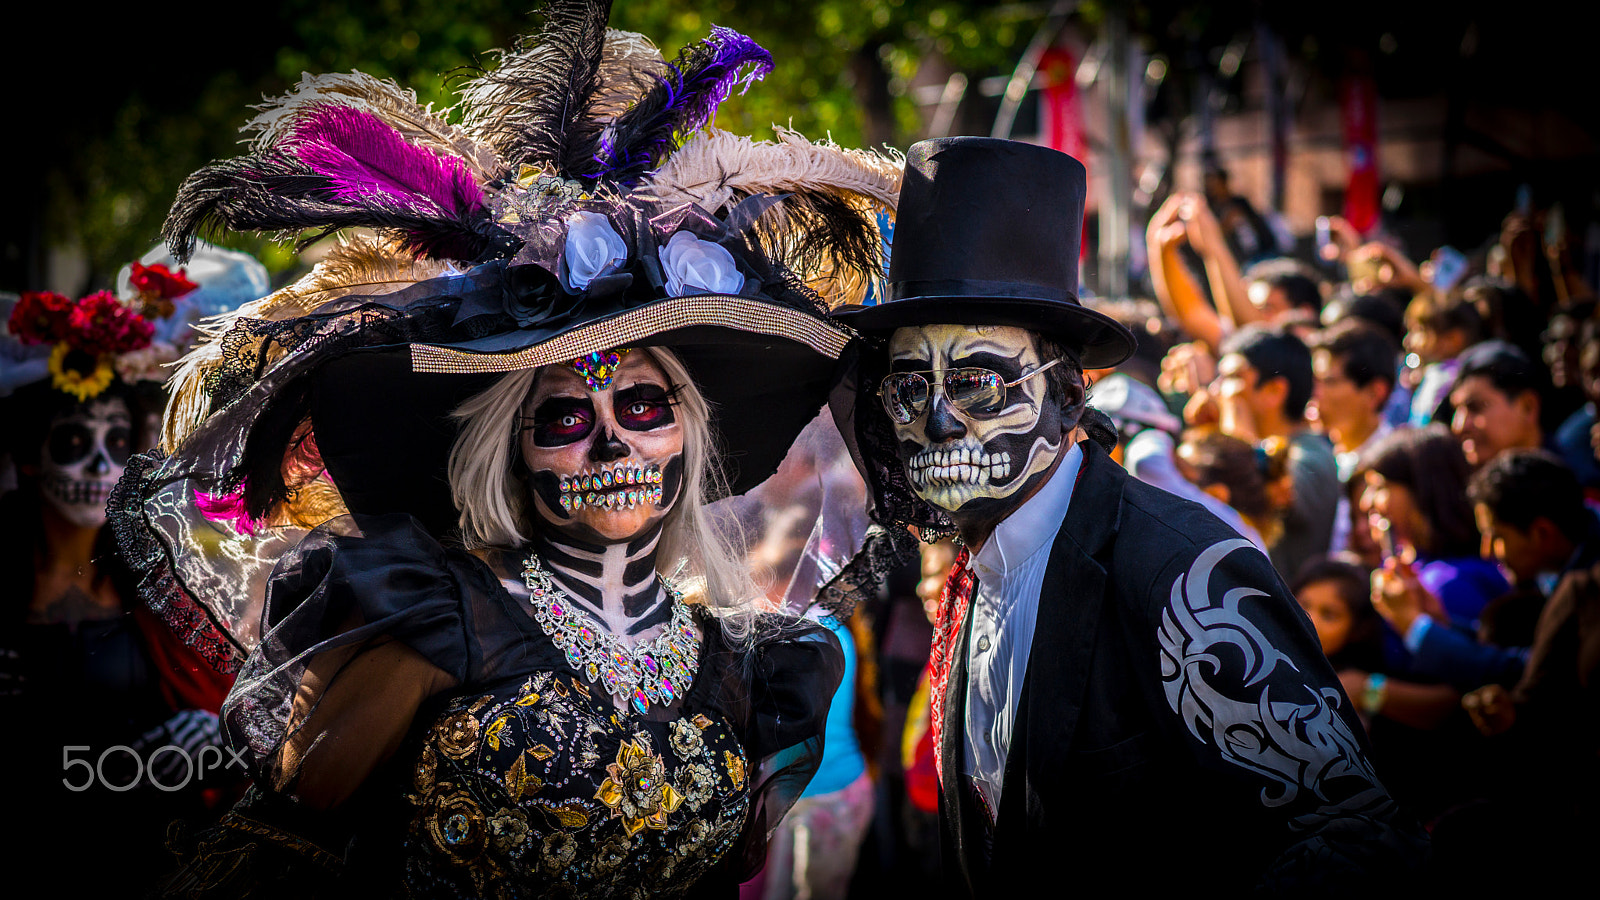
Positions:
{"x": 598, "y": 367}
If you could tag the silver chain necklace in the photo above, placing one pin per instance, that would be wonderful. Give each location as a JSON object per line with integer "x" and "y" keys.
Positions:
{"x": 655, "y": 672}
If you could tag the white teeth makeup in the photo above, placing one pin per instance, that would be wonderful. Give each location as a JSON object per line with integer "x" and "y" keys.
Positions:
{"x": 609, "y": 488}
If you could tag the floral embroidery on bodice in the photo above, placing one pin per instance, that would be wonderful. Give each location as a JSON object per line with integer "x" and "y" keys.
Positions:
{"x": 542, "y": 787}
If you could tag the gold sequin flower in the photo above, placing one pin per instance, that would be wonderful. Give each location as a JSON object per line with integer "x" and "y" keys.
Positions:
{"x": 637, "y": 789}
{"x": 695, "y": 782}
{"x": 686, "y": 740}
{"x": 456, "y": 825}
{"x": 509, "y": 828}
{"x": 613, "y": 853}
{"x": 457, "y": 734}
{"x": 560, "y": 849}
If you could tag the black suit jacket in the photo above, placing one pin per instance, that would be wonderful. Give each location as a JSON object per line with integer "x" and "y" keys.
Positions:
{"x": 1178, "y": 725}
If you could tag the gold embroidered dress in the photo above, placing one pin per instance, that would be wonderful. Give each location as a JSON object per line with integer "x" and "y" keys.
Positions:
{"x": 524, "y": 780}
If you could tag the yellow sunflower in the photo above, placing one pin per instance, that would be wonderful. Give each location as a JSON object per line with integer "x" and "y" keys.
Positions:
{"x": 80, "y": 384}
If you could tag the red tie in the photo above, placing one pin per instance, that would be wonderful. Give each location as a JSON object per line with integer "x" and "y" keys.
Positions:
{"x": 952, "y": 612}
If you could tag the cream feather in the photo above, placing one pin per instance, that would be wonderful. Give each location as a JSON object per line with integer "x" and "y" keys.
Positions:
{"x": 626, "y": 66}
{"x": 715, "y": 165}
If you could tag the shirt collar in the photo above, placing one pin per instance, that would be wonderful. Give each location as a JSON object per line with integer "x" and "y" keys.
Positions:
{"x": 1035, "y": 523}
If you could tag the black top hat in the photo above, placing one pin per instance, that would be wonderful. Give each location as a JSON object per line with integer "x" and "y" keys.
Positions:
{"x": 988, "y": 233}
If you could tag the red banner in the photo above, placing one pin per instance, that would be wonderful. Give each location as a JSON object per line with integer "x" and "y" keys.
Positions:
{"x": 1358, "y": 107}
{"x": 1061, "y": 108}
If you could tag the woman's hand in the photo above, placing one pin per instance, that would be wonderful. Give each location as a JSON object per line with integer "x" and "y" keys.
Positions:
{"x": 1377, "y": 265}
{"x": 1344, "y": 239}
{"x": 1491, "y": 709}
{"x": 1186, "y": 369}
{"x": 1401, "y": 598}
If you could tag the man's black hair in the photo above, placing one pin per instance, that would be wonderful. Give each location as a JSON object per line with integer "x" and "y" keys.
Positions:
{"x": 1520, "y": 486}
{"x": 1276, "y": 353}
{"x": 1384, "y": 309}
{"x": 1363, "y": 352}
{"x": 1293, "y": 278}
{"x": 1507, "y": 368}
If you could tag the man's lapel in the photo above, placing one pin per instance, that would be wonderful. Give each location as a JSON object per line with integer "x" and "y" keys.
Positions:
{"x": 1070, "y": 601}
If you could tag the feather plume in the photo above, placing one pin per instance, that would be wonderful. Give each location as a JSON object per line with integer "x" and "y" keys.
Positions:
{"x": 683, "y": 99}
{"x": 274, "y": 191}
{"x": 715, "y": 165}
{"x": 382, "y": 98}
{"x": 826, "y": 227}
{"x": 361, "y": 154}
{"x": 534, "y": 108}
{"x": 629, "y": 65}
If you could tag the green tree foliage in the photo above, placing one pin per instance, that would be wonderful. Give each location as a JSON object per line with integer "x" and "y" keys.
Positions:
{"x": 842, "y": 70}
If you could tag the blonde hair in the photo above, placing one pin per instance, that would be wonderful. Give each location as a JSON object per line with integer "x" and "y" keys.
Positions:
{"x": 702, "y": 556}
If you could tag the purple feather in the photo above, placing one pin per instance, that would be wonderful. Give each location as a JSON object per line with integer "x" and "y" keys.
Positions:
{"x": 681, "y": 101}
{"x": 725, "y": 70}
{"x": 363, "y": 155}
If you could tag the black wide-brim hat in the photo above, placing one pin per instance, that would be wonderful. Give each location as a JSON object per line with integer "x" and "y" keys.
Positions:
{"x": 382, "y": 414}
{"x": 988, "y": 232}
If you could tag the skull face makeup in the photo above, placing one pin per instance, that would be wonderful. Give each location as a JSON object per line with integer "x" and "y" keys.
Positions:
{"x": 82, "y": 458}
{"x": 979, "y": 463}
{"x": 606, "y": 461}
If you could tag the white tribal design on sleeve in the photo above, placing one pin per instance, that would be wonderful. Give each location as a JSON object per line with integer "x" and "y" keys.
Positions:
{"x": 1240, "y": 695}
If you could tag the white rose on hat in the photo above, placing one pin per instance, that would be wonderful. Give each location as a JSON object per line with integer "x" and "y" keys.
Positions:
{"x": 693, "y": 266}
{"x": 593, "y": 246}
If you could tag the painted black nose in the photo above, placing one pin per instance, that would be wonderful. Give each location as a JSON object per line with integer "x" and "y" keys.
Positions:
{"x": 608, "y": 449}
{"x": 943, "y": 423}
{"x": 99, "y": 465}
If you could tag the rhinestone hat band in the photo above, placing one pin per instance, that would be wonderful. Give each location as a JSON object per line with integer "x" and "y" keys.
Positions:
{"x": 654, "y": 672}
{"x": 737, "y": 313}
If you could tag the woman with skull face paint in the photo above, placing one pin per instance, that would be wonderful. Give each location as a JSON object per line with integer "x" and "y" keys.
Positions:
{"x": 93, "y": 675}
{"x": 490, "y": 637}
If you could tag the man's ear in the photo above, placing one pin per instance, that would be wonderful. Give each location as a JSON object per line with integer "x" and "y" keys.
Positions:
{"x": 1528, "y": 403}
{"x": 1377, "y": 393}
{"x": 1273, "y": 392}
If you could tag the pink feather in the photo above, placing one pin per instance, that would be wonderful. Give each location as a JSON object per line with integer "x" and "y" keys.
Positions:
{"x": 228, "y": 509}
{"x": 363, "y": 155}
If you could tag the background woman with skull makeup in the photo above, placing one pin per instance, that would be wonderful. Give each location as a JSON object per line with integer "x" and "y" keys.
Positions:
{"x": 491, "y": 634}
{"x": 90, "y": 672}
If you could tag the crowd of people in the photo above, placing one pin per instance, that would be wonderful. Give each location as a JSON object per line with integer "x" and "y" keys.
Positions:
{"x": 1407, "y": 448}
{"x": 1416, "y": 444}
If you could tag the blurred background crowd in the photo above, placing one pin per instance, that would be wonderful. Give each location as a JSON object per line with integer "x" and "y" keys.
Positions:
{"x": 1360, "y": 255}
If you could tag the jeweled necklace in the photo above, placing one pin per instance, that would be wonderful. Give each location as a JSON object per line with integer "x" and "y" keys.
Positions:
{"x": 657, "y": 671}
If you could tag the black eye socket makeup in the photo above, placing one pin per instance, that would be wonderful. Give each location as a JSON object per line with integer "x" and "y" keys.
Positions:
{"x": 70, "y": 442}
{"x": 119, "y": 444}
{"x": 560, "y": 421}
{"x": 643, "y": 407}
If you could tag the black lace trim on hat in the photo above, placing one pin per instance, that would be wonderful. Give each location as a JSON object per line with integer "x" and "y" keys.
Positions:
{"x": 152, "y": 564}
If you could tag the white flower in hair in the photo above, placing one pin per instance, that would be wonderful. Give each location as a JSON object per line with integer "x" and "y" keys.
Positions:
{"x": 693, "y": 266}
{"x": 592, "y": 247}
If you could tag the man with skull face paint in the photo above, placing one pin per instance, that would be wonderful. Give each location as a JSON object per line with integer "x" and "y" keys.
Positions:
{"x": 1113, "y": 666}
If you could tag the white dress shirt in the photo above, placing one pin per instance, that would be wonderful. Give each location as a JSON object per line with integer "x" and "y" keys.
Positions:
{"x": 1010, "y": 569}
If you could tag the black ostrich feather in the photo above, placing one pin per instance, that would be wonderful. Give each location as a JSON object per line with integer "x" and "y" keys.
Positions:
{"x": 535, "y": 108}
{"x": 273, "y": 191}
